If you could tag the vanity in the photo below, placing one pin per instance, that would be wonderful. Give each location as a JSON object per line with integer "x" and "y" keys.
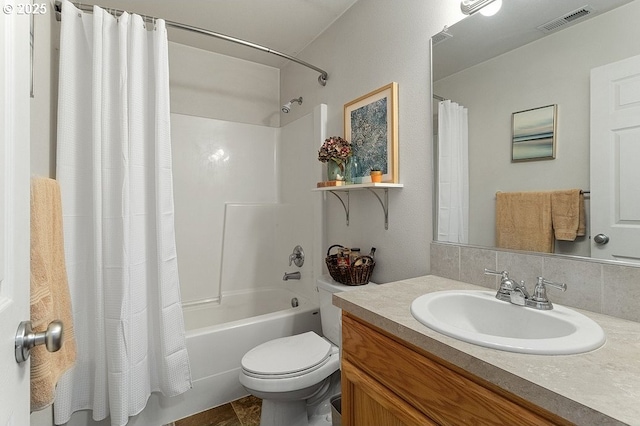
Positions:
{"x": 397, "y": 371}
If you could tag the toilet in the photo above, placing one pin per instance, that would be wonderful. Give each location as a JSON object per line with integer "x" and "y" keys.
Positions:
{"x": 296, "y": 375}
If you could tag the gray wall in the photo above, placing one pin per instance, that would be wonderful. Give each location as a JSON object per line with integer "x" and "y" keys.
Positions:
{"x": 372, "y": 44}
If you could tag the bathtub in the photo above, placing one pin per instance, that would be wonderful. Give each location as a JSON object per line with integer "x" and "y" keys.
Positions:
{"x": 218, "y": 335}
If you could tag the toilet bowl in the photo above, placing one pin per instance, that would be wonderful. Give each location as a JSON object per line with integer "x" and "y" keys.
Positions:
{"x": 295, "y": 376}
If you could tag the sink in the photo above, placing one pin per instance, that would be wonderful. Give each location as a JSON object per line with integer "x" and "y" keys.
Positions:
{"x": 478, "y": 317}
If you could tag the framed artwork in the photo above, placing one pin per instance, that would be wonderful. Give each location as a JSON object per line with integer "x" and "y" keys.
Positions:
{"x": 534, "y": 134}
{"x": 371, "y": 125}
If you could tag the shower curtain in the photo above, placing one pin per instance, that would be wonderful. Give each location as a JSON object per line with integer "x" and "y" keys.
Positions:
{"x": 114, "y": 169}
{"x": 453, "y": 173}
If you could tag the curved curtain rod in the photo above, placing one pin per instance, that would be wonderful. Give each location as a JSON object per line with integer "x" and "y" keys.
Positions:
{"x": 322, "y": 78}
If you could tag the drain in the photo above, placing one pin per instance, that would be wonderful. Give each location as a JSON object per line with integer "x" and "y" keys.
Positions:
{"x": 294, "y": 302}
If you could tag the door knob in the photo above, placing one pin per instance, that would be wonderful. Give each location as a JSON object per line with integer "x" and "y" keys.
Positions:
{"x": 26, "y": 339}
{"x": 601, "y": 239}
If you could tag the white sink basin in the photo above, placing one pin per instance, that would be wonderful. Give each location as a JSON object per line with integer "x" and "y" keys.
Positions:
{"x": 478, "y": 317}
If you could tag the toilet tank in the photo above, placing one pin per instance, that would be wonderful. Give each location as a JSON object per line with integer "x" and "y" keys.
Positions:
{"x": 330, "y": 315}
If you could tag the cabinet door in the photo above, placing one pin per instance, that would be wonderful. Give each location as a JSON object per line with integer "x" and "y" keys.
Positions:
{"x": 430, "y": 387}
{"x": 367, "y": 402}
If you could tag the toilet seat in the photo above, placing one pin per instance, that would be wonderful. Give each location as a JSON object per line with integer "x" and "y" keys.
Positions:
{"x": 289, "y": 363}
{"x": 287, "y": 356}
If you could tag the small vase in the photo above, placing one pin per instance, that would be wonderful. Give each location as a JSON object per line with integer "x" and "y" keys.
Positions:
{"x": 335, "y": 170}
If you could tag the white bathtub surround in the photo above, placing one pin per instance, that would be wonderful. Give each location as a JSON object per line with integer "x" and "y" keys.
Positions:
{"x": 215, "y": 162}
{"x": 244, "y": 201}
{"x": 114, "y": 168}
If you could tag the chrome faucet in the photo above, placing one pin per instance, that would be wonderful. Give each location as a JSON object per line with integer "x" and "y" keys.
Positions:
{"x": 516, "y": 293}
{"x": 507, "y": 285}
{"x": 539, "y": 299}
{"x": 291, "y": 276}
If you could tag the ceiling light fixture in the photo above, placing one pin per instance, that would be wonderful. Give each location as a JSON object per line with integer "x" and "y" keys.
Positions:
{"x": 470, "y": 7}
{"x": 491, "y": 9}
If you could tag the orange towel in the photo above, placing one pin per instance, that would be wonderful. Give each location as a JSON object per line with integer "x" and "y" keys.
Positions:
{"x": 523, "y": 221}
{"x": 50, "y": 299}
{"x": 567, "y": 212}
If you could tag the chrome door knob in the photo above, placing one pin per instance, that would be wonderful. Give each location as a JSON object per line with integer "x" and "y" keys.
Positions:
{"x": 601, "y": 239}
{"x": 26, "y": 339}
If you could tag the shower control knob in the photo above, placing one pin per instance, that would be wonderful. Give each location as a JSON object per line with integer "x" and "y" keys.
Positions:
{"x": 601, "y": 239}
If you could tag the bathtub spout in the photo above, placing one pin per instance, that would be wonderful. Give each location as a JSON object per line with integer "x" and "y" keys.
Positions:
{"x": 291, "y": 276}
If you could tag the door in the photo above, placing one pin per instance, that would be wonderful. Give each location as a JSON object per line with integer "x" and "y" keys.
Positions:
{"x": 615, "y": 160}
{"x": 14, "y": 211}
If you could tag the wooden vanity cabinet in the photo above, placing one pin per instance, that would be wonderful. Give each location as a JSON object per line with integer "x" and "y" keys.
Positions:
{"x": 387, "y": 382}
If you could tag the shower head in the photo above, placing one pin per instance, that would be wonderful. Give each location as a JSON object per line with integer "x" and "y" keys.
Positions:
{"x": 286, "y": 108}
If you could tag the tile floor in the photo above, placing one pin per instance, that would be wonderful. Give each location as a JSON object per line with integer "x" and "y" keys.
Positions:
{"x": 242, "y": 412}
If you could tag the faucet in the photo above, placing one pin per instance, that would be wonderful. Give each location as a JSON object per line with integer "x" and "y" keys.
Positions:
{"x": 507, "y": 285}
{"x": 291, "y": 276}
{"x": 539, "y": 299}
{"x": 516, "y": 293}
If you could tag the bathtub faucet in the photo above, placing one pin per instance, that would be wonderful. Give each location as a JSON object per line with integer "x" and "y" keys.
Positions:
{"x": 291, "y": 276}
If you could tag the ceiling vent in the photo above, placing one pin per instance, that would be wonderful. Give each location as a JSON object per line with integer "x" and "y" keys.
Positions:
{"x": 569, "y": 18}
{"x": 440, "y": 37}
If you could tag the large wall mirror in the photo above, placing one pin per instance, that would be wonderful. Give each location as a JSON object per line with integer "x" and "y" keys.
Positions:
{"x": 533, "y": 54}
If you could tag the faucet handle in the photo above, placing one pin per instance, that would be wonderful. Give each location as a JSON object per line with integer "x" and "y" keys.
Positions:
{"x": 297, "y": 256}
{"x": 540, "y": 291}
{"x": 507, "y": 285}
{"x": 503, "y": 274}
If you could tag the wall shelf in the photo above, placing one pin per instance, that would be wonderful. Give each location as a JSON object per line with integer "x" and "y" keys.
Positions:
{"x": 337, "y": 191}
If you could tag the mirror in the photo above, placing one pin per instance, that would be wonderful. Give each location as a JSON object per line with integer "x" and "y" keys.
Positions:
{"x": 502, "y": 64}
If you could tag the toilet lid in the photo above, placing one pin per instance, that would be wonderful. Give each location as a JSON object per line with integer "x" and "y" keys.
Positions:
{"x": 287, "y": 355}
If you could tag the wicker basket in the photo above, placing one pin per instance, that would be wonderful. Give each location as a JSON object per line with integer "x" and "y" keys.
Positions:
{"x": 352, "y": 274}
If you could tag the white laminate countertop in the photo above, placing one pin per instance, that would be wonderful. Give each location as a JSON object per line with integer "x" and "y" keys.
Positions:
{"x": 601, "y": 387}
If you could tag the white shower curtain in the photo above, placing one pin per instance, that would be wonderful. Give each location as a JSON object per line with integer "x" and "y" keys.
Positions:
{"x": 114, "y": 168}
{"x": 453, "y": 173}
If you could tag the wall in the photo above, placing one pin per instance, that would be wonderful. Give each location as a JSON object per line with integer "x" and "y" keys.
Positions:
{"x": 244, "y": 92}
{"x": 45, "y": 99}
{"x": 374, "y": 43}
{"x": 553, "y": 70}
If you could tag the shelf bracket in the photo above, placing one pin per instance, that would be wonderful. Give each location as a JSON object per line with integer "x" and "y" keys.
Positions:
{"x": 345, "y": 206}
{"x": 384, "y": 204}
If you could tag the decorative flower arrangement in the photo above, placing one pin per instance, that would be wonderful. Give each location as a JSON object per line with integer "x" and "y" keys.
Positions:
{"x": 335, "y": 148}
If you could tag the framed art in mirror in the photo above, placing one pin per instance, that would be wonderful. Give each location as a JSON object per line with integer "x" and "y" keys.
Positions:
{"x": 534, "y": 134}
{"x": 371, "y": 125}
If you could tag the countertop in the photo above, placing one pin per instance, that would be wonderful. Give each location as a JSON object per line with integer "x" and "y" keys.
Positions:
{"x": 601, "y": 387}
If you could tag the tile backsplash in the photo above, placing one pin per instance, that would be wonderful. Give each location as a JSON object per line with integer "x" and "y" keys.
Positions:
{"x": 593, "y": 285}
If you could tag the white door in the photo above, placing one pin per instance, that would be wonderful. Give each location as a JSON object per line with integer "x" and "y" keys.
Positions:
{"x": 615, "y": 160}
{"x": 14, "y": 211}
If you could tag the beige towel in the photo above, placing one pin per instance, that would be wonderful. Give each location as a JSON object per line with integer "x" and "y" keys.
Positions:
{"x": 582, "y": 221}
{"x": 50, "y": 297}
{"x": 523, "y": 221}
{"x": 567, "y": 213}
